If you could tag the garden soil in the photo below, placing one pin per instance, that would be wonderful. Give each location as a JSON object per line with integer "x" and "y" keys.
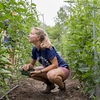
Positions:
{"x": 30, "y": 89}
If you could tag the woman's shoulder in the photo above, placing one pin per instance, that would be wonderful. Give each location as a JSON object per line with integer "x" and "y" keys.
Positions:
{"x": 52, "y": 49}
{"x": 49, "y": 48}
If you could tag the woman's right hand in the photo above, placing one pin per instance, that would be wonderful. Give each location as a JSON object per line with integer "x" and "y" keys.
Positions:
{"x": 26, "y": 67}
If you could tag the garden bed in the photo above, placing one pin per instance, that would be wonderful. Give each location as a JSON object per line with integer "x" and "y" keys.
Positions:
{"x": 30, "y": 89}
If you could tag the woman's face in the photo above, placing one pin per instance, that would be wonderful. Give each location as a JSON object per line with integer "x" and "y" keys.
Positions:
{"x": 33, "y": 37}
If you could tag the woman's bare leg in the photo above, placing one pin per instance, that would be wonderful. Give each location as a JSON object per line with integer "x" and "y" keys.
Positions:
{"x": 57, "y": 76}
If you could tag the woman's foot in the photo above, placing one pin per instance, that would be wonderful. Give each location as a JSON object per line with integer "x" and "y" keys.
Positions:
{"x": 61, "y": 93}
{"x": 48, "y": 88}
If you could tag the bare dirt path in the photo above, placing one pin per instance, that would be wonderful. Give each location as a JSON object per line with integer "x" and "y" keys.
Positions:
{"x": 30, "y": 89}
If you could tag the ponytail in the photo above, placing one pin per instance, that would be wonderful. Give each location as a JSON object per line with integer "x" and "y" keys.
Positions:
{"x": 46, "y": 42}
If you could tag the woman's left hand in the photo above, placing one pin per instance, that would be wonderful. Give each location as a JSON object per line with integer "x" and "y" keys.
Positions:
{"x": 33, "y": 73}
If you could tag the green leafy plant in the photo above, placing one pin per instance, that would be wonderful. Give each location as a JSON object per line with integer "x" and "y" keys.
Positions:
{"x": 80, "y": 44}
{"x": 20, "y": 22}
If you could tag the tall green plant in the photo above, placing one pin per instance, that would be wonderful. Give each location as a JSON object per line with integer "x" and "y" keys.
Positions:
{"x": 19, "y": 27}
{"x": 80, "y": 44}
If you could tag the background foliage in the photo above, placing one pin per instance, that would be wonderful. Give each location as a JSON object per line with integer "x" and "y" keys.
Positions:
{"x": 80, "y": 44}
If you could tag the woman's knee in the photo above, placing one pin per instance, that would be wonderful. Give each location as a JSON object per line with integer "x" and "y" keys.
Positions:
{"x": 65, "y": 73}
{"x": 51, "y": 75}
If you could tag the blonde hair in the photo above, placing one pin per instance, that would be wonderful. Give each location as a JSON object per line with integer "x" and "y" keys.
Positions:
{"x": 44, "y": 39}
